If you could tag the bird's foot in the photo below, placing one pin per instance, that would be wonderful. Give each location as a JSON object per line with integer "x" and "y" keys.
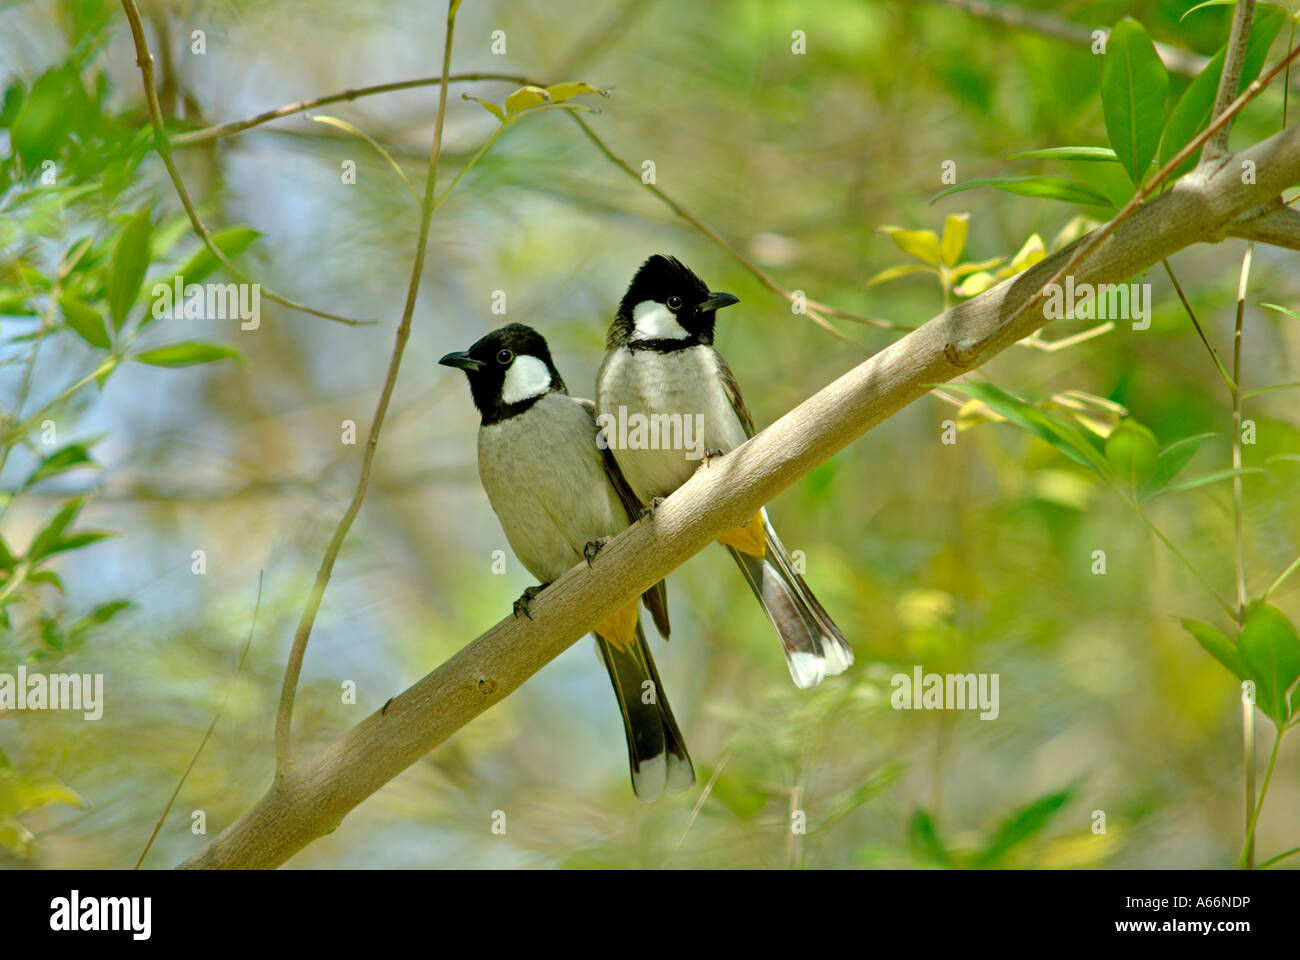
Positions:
{"x": 526, "y": 598}
{"x": 648, "y": 511}
{"x": 594, "y": 547}
{"x": 711, "y": 454}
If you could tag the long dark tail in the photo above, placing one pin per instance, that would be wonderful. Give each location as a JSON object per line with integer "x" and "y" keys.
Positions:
{"x": 813, "y": 644}
{"x": 656, "y": 751}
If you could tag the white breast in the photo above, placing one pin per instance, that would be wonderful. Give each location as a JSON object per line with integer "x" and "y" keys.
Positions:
{"x": 546, "y": 480}
{"x": 683, "y": 382}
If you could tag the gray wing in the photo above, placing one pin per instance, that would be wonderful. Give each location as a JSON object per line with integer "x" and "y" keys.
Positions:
{"x": 656, "y": 598}
{"x": 732, "y": 389}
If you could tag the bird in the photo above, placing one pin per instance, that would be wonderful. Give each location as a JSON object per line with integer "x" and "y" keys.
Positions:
{"x": 660, "y": 362}
{"x": 559, "y": 497}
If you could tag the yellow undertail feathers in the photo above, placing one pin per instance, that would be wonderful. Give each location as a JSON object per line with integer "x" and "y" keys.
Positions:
{"x": 620, "y": 629}
{"x": 750, "y": 539}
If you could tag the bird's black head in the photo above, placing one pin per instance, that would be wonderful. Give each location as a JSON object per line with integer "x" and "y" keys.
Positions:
{"x": 509, "y": 370}
{"x": 666, "y": 307}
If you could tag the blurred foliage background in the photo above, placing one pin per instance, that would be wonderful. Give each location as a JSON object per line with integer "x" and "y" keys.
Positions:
{"x": 973, "y": 556}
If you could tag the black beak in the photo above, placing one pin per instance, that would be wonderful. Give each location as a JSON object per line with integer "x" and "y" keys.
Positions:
{"x": 464, "y": 361}
{"x": 716, "y": 301}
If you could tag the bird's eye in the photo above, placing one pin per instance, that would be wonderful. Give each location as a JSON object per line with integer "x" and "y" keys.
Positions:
{"x": 504, "y": 357}
{"x": 674, "y": 303}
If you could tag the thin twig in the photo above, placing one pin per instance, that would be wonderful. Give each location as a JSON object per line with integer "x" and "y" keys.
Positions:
{"x": 163, "y": 146}
{"x": 1254, "y": 810}
{"x": 1051, "y": 346}
{"x": 699, "y": 804}
{"x": 211, "y": 726}
{"x": 1214, "y": 354}
{"x": 1247, "y": 858}
{"x": 1238, "y": 497}
{"x": 1278, "y": 859}
{"x": 284, "y": 715}
{"x": 1295, "y": 565}
{"x": 238, "y": 126}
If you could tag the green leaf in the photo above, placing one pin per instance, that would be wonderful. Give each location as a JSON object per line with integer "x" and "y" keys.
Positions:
{"x": 1021, "y": 826}
{"x": 130, "y": 258}
{"x": 41, "y": 121}
{"x": 185, "y": 354}
{"x": 953, "y": 242}
{"x": 559, "y": 92}
{"x": 100, "y": 615}
{"x": 1048, "y": 188}
{"x": 48, "y": 539}
{"x": 1093, "y": 154}
{"x": 1132, "y": 450}
{"x": 75, "y": 541}
{"x": 1227, "y": 3}
{"x": 525, "y": 97}
{"x": 922, "y": 244}
{"x": 902, "y": 270}
{"x": 85, "y": 321}
{"x": 378, "y": 148}
{"x": 1133, "y": 87}
{"x": 1172, "y": 459}
{"x": 68, "y": 458}
{"x": 487, "y": 105}
{"x": 1066, "y": 438}
{"x": 1271, "y": 650}
{"x": 1203, "y": 480}
{"x": 969, "y": 267}
{"x": 231, "y": 242}
{"x": 976, "y": 284}
{"x": 924, "y": 840}
{"x": 1192, "y": 113}
{"x": 47, "y": 576}
{"x": 1217, "y": 645}
{"x": 1276, "y": 386}
{"x": 1284, "y": 310}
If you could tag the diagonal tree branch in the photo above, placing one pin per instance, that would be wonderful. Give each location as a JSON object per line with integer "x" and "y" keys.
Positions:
{"x": 314, "y": 796}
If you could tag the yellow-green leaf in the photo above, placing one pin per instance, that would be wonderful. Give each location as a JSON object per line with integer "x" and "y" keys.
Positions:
{"x": 922, "y": 244}
{"x": 559, "y": 92}
{"x": 954, "y": 237}
{"x": 902, "y": 270}
{"x": 976, "y": 284}
{"x": 1028, "y": 255}
{"x": 525, "y": 97}
{"x": 487, "y": 105}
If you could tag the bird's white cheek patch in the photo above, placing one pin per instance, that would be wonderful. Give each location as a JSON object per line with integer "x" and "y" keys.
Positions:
{"x": 654, "y": 321}
{"x": 527, "y": 377}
